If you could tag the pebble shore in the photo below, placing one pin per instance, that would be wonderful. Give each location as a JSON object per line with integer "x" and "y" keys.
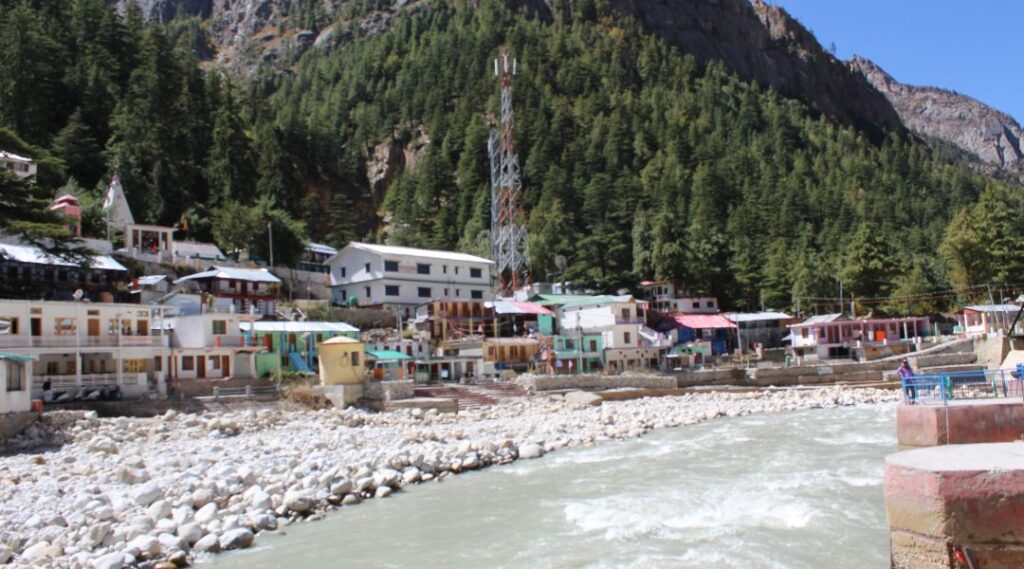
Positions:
{"x": 165, "y": 491}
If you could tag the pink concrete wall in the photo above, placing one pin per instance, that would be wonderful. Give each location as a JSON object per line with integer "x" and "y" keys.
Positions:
{"x": 988, "y": 422}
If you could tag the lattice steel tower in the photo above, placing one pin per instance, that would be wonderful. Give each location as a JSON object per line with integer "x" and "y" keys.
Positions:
{"x": 508, "y": 227}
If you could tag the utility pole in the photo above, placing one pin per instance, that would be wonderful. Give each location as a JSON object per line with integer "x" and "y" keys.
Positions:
{"x": 270, "y": 241}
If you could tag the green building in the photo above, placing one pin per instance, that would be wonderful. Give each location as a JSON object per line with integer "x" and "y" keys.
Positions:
{"x": 291, "y": 345}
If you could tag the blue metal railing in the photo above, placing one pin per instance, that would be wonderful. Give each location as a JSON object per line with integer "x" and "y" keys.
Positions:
{"x": 940, "y": 388}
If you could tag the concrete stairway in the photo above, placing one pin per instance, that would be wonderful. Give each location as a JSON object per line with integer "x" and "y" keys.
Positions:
{"x": 472, "y": 396}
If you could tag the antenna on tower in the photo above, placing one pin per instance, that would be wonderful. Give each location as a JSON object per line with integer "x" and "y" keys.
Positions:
{"x": 508, "y": 227}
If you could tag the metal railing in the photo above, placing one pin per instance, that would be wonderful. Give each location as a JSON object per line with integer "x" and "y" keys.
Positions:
{"x": 942, "y": 388}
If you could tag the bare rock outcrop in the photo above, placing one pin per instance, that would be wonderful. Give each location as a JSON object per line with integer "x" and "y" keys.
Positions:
{"x": 991, "y": 135}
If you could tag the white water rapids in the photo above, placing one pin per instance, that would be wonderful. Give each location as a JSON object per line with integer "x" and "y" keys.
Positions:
{"x": 799, "y": 490}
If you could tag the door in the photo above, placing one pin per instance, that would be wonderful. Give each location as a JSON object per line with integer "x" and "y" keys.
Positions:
{"x": 201, "y": 367}
{"x": 94, "y": 327}
{"x": 37, "y": 327}
{"x": 225, "y": 365}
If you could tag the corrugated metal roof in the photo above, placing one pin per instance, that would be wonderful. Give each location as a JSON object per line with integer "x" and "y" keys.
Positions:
{"x": 151, "y": 280}
{"x": 234, "y": 273}
{"x": 14, "y": 157}
{"x": 556, "y": 299}
{"x": 196, "y": 249}
{"x": 298, "y": 327}
{"x": 598, "y": 300}
{"x": 821, "y": 319}
{"x": 32, "y": 254}
{"x": 387, "y": 355}
{"x": 989, "y": 308}
{"x": 509, "y": 307}
{"x": 410, "y": 251}
{"x": 756, "y": 316}
{"x": 17, "y": 357}
{"x": 321, "y": 248}
{"x": 702, "y": 321}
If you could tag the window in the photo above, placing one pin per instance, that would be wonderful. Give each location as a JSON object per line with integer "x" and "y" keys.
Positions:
{"x": 188, "y": 363}
{"x": 391, "y": 266}
{"x": 51, "y": 368}
{"x": 366, "y": 266}
{"x": 458, "y": 292}
{"x": 215, "y": 363}
{"x": 134, "y": 366}
{"x": 367, "y": 291}
{"x": 14, "y": 382}
{"x": 803, "y": 332}
{"x": 423, "y": 268}
{"x": 570, "y": 345}
{"x": 446, "y": 293}
{"x": 423, "y": 292}
{"x": 627, "y": 338}
{"x": 476, "y": 273}
{"x": 142, "y": 327}
{"x": 625, "y": 314}
{"x": 355, "y": 358}
{"x": 344, "y": 296}
{"x": 444, "y": 269}
{"x": 8, "y": 325}
{"x": 593, "y": 345}
{"x": 391, "y": 290}
{"x": 477, "y": 295}
{"x": 456, "y": 270}
{"x": 344, "y": 272}
{"x": 64, "y": 326}
{"x": 158, "y": 363}
{"x": 220, "y": 327}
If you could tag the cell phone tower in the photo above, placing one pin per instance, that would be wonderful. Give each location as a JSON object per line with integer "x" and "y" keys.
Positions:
{"x": 508, "y": 226}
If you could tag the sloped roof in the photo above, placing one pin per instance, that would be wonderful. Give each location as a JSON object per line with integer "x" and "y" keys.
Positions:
{"x": 509, "y": 307}
{"x": 33, "y": 254}
{"x": 151, "y": 280}
{"x": 322, "y": 249}
{"x": 234, "y": 273}
{"x": 556, "y": 299}
{"x": 298, "y": 327}
{"x": 17, "y": 357}
{"x": 341, "y": 340}
{"x": 599, "y": 300}
{"x": 823, "y": 319}
{"x": 196, "y": 249}
{"x": 756, "y": 316}
{"x": 413, "y": 252}
{"x": 702, "y": 321}
{"x": 14, "y": 157}
{"x": 989, "y": 308}
{"x": 387, "y": 355}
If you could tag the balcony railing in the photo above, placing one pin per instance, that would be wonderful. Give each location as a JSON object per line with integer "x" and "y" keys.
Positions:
{"x": 68, "y": 382}
{"x": 12, "y": 341}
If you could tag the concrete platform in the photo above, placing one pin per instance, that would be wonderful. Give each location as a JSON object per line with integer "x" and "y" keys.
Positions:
{"x": 969, "y": 421}
{"x": 425, "y": 403}
{"x": 967, "y": 498}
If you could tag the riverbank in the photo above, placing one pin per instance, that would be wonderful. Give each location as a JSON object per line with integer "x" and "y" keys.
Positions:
{"x": 123, "y": 490}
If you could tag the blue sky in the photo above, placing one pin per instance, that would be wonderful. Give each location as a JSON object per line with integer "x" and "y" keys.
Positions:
{"x": 974, "y": 47}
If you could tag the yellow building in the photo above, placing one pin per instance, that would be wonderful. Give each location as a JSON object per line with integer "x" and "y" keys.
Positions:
{"x": 342, "y": 361}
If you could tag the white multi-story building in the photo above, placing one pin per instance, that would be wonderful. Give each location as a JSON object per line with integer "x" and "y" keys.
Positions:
{"x": 21, "y": 166}
{"x": 211, "y": 346}
{"x": 88, "y": 344}
{"x": 621, "y": 321}
{"x": 665, "y": 298}
{"x": 402, "y": 278}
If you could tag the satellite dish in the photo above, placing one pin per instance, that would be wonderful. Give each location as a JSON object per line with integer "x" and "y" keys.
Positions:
{"x": 78, "y": 295}
{"x": 560, "y": 262}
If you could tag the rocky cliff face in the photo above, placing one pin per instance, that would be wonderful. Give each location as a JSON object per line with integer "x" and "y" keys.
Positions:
{"x": 762, "y": 42}
{"x": 992, "y": 136}
{"x": 758, "y": 41}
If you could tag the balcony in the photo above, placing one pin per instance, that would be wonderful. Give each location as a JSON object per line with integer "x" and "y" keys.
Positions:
{"x": 41, "y": 342}
{"x": 65, "y": 382}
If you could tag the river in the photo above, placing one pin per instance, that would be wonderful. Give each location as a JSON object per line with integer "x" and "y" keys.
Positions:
{"x": 793, "y": 490}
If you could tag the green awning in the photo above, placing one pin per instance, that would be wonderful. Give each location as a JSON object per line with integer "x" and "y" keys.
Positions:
{"x": 387, "y": 355}
{"x": 17, "y": 357}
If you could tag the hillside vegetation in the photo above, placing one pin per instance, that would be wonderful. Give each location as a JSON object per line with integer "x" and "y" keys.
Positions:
{"x": 637, "y": 161}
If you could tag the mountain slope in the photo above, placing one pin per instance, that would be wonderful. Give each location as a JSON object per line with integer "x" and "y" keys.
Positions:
{"x": 971, "y": 125}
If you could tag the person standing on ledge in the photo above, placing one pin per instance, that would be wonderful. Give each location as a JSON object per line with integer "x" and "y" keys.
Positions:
{"x": 906, "y": 373}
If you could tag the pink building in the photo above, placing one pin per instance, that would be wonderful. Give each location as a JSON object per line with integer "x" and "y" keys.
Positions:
{"x": 69, "y": 208}
{"x": 839, "y": 336}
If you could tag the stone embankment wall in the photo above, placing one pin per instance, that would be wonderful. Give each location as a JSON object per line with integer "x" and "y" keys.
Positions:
{"x": 388, "y": 390}
{"x": 556, "y": 382}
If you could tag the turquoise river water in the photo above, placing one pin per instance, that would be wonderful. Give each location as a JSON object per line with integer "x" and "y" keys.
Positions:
{"x": 794, "y": 490}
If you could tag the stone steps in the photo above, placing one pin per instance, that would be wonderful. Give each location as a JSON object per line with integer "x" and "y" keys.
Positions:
{"x": 472, "y": 396}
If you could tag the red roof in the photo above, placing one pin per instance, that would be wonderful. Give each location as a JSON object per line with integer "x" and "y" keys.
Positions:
{"x": 509, "y": 307}
{"x": 701, "y": 321}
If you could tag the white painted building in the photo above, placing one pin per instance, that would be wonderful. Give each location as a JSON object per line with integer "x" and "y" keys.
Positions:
{"x": 402, "y": 278}
{"x": 21, "y": 166}
{"x": 16, "y": 380}
{"x": 88, "y": 344}
{"x": 621, "y": 321}
{"x": 253, "y": 290}
{"x": 211, "y": 346}
{"x": 665, "y": 298}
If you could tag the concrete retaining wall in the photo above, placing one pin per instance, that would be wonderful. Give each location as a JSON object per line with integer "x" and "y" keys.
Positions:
{"x": 554, "y": 382}
{"x": 735, "y": 376}
{"x": 963, "y": 497}
{"x": 14, "y": 423}
{"x": 992, "y": 421}
{"x": 388, "y": 390}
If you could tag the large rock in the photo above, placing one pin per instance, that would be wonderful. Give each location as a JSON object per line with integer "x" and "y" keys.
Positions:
{"x": 209, "y": 543}
{"x": 145, "y": 546}
{"x": 206, "y": 514}
{"x": 110, "y": 561}
{"x": 238, "y": 538}
{"x": 583, "y": 399}
{"x": 530, "y": 451}
{"x": 190, "y": 532}
{"x": 148, "y": 493}
{"x": 297, "y": 502}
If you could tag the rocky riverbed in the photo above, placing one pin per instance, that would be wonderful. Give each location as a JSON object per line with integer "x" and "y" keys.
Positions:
{"x": 161, "y": 492}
